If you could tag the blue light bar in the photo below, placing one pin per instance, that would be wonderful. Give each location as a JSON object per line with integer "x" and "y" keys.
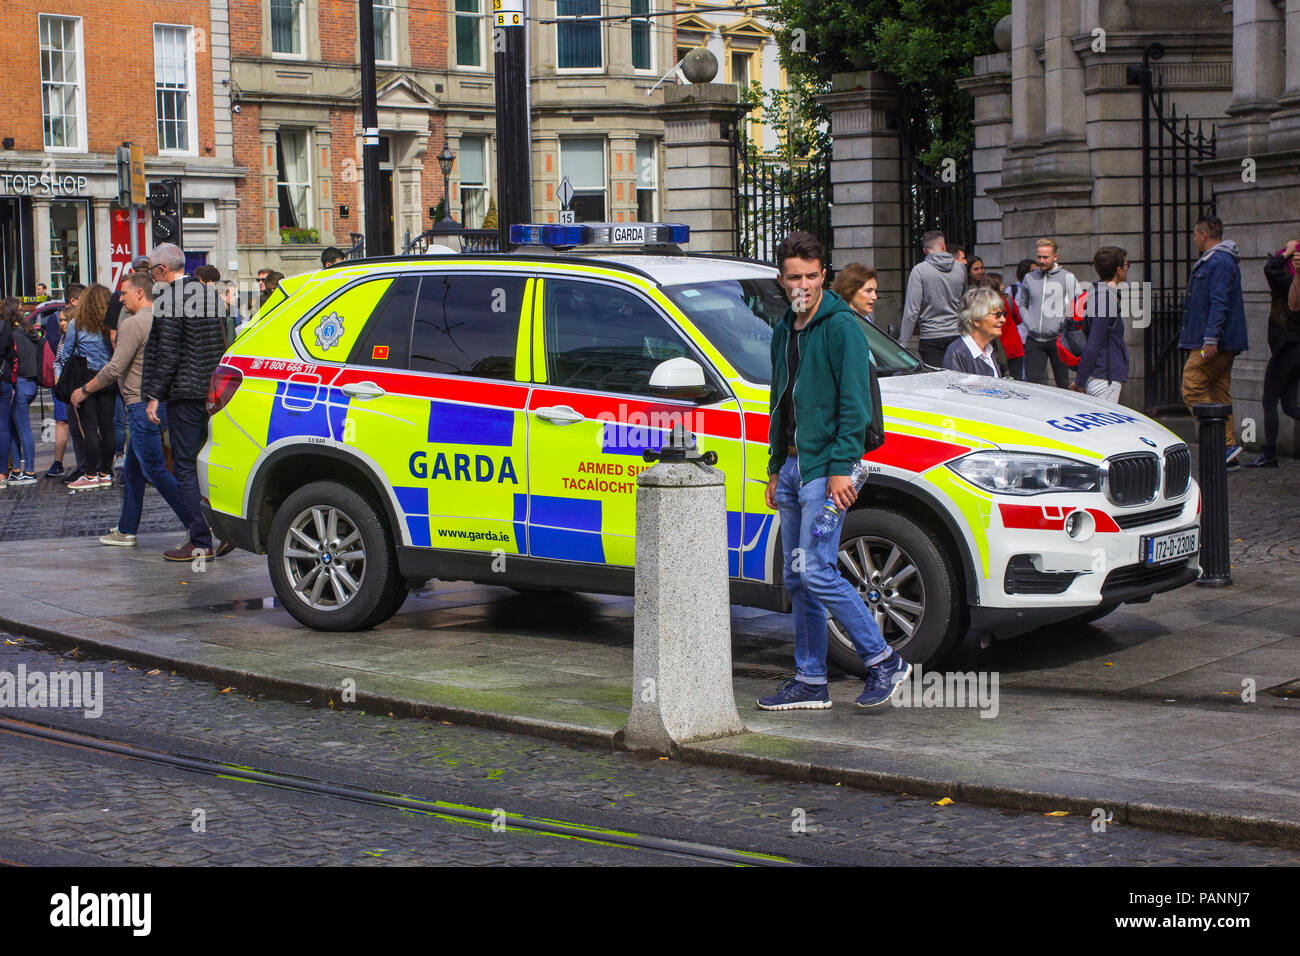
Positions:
{"x": 600, "y": 234}
{"x": 547, "y": 234}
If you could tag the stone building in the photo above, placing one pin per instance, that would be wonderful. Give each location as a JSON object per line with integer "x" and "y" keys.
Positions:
{"x": 80, "y": 79}
{"x": 1059, "y": 151}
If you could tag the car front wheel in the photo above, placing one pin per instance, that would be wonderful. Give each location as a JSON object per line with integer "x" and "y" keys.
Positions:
{"x": 909, "y": 586}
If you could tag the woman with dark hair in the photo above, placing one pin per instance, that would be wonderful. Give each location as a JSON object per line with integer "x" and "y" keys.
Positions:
{"x": 24, "y": 367}
{"x": 856, "y": 285}
{"x": 87, "y": 336}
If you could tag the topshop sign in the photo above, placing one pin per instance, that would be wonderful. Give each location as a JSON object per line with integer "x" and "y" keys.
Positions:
{"x": 41, "y": 184}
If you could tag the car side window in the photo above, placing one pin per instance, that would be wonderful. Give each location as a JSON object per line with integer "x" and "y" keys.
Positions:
{"x": 467, "y": 325}
{"x": 604, "y": 338}
{"x": 386, "y": 341}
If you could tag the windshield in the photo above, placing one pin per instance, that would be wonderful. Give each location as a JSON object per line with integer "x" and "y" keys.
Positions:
{"x": 737, "y": 316}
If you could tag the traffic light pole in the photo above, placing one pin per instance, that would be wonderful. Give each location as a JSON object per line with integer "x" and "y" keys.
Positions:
{"x": 514, "y": 140}
{"x": 370, "y": 128}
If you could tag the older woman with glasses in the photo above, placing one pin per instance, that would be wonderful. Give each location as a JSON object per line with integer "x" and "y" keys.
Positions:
{"x": 980, "y": 322}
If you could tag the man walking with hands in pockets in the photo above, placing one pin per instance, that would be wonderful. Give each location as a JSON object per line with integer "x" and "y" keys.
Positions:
{"x": 820, "y": 409}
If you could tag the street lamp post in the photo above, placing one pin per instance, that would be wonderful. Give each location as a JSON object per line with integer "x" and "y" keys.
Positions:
{"x": 446, "y": 225}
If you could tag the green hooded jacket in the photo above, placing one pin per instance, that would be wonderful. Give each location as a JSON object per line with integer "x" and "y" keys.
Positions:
{"x": 832, "y": 391}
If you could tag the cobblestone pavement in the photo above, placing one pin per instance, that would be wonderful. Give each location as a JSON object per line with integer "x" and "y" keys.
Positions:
{"x": 143, "y": 814}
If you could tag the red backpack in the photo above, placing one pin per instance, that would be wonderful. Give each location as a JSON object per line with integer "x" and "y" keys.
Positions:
{"x": 46, "y": 379}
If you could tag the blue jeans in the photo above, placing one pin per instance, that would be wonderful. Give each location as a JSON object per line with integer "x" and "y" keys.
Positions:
{"x": 145, "y": 463}
{"x": 188, "y": 429}
{"x": 119, "y": 425}
{"x": 818, "y": 587}
{"x": 20, "y": 418}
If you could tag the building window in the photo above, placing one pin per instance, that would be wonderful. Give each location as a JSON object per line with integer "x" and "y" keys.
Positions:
{"x": 385, "y": 31}
{"x": 63, "y": 106}
{"x": 287, "y": 27}
{"x": 740, "y": 70}
{"x": 647, "y": 181}
{"x": 577, "y": 42}
{"x": 469, "y": 33}
{"x": 173, "y": 71}
{"x": 641, "y": 47}
{"x": 473, "y": 180}
{"x": 293, "y": 174}
{"x": 583, "y": 162}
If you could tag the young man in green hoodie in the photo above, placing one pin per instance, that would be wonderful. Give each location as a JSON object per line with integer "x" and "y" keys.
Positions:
{"x": 820, "y": 408}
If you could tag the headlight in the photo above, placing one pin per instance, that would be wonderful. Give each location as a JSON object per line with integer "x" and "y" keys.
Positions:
{"x": 1015, "y": 473}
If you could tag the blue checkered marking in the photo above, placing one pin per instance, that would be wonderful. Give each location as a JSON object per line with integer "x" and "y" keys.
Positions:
{"x": 452, "y": 424}
{"x": 565, "y": 528}
{"x": 619, "y": 439}
{"x": 303, "y": 409}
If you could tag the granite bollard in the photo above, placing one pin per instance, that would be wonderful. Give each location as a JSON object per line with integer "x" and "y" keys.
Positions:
{"x": 681, "y": 671}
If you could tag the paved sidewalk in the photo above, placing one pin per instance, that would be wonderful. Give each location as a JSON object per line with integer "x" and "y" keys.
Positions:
{"x": 1140, "y": 715}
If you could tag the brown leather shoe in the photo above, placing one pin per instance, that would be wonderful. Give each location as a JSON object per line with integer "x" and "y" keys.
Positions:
{"x": 225, "y": 548}
{"x": 188, "y": 554}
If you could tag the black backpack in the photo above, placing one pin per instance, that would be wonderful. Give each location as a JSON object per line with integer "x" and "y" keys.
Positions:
{"x": 876, "y": 426}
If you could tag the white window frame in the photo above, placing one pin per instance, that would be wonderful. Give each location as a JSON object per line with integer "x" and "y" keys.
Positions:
{"x": 485, "y": 185}
{"x": 650, "y": 36}
{"x": 308, "y": 134}
{"x": 482, "y": 18}
{"x": 654, "y": 189}
{"x": 82, "y": 139}
{"x": 604, "y": 170}
{"x": 191, "y": 91}
{"x": 302, "y": 32}
{"x": 390, "y": 8}
{"x": 600, "y": 33}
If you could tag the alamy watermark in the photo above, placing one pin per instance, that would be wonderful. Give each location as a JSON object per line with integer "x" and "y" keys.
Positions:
{"x": 952, "y": 689}
{"x": 39, "y": 690}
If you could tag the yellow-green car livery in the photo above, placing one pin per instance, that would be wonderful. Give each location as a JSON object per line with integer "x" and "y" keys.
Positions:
{"x": 484, "y": 417}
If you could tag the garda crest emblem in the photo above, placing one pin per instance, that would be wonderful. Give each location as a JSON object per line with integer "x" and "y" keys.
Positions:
{"x": 329, "y": 330}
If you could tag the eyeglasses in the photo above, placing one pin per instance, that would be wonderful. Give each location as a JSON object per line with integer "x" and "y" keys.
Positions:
{"x": 996, "y": 315}
{"x": 152, "y": 269}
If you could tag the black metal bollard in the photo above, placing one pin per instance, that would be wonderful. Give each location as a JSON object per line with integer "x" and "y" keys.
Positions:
{"x": 1212, "y": 426}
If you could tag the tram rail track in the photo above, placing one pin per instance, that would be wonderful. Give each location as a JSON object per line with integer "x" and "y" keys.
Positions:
{"x": 498, "y": 820}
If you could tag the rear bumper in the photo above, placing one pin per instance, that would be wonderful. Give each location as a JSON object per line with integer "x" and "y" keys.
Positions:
{"x": 226, "y": 527}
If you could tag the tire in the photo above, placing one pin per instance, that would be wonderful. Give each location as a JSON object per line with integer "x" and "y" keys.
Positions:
{"x": 927, "y": 600}
{"x": 358, "y": 582}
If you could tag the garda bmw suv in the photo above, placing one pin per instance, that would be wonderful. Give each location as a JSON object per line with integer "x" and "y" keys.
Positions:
{"x": 483, "y": 418}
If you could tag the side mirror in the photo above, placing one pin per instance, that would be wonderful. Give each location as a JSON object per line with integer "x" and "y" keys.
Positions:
{"x": 680, "y": 378}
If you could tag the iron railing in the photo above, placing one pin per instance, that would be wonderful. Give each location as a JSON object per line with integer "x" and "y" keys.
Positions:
{"x": 1174, "y": 196}
{"x": 774, "y": 198}
{"x": 942, "y": 199}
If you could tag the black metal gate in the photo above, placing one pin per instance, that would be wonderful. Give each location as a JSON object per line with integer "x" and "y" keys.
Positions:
{"x": 1174, "y": 196}
{"x": 940, "y": 198}
{"x": 774, "y": 198}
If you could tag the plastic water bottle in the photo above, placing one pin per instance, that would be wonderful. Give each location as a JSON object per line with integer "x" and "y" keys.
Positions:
{"x": 828, "y": 521}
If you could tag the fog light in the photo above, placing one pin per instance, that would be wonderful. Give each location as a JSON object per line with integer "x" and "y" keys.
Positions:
{"x": 1080, "y": 525}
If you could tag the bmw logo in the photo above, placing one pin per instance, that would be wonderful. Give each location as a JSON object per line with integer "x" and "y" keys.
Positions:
{"x": 1148, "y": 441}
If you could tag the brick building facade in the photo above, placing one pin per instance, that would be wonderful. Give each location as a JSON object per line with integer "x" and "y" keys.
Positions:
{"x": 80, "y": 78}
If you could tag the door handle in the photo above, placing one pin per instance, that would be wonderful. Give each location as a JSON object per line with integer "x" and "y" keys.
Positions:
{"x": 558, "y": 415}
{"x": 362, "y": 390}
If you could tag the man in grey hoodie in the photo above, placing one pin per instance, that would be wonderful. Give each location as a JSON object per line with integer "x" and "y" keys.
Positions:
{"x": 934, "y": 290}
{"x": 1046, "y": 297}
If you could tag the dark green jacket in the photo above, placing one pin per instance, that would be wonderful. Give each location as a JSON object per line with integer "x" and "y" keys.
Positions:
{"x": 832, "y": 394}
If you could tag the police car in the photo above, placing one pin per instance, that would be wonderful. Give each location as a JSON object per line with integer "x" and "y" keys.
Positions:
{"x": 484, "y": 417}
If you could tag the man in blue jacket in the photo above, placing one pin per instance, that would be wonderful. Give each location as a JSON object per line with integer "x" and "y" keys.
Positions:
{"x": 1214, "y": 323}
{"x": 820, "y": 409}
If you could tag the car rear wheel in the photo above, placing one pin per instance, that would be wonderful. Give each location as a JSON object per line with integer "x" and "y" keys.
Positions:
{"x": 908, "y": 584}
{"x": 331, "y": 560}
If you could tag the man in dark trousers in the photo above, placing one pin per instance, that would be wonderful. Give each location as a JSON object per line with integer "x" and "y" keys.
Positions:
{"x": 820, "y": 381}
{"x": 185, "y": 345}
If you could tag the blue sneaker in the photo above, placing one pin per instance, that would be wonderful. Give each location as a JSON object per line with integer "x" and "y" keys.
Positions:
{"x": 883, "y": 680}
{"x": 794, "y": 694}
{"x": 1233, "y": 454}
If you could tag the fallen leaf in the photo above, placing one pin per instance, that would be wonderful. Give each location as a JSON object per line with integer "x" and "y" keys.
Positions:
{"x": 945, "y": 802}
{"x": 227, "y": 690}
{"x": 157, "y": 671}
{"x": 331, "y": 703}
{"x": 19, "y": 641}
{"x": 1109, "y": 664}
{"x": 1057, "y": 813}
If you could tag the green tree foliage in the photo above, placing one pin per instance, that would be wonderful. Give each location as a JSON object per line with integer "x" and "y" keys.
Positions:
{"x": 926, "y": 45}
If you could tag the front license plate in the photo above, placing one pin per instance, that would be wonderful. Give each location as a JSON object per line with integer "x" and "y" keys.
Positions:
{"x": 1163, "y": 548}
